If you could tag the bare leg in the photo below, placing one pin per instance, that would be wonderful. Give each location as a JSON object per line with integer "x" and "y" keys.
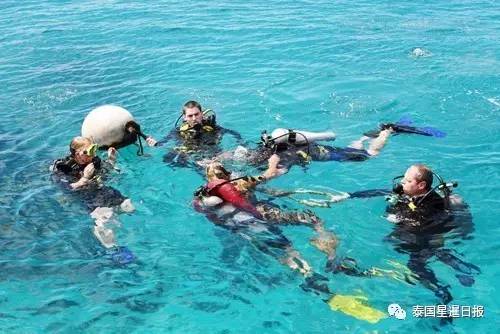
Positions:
{"x": 275, "y": 215}
{"x": 378, "y": 143}
{"x": 325, "y": 241}
{"x": 358, "y": 144}
{"x": 105, "y": 235}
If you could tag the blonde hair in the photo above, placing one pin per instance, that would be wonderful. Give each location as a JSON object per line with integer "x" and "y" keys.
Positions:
{"x": 79, "y": 143}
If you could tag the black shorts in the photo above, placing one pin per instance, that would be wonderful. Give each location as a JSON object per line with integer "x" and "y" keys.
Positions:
{"x": 328, "y": 153}
{"x": 101, "y": 197}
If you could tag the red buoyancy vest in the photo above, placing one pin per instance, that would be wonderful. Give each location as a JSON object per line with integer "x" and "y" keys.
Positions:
{"x": 230, "y": 194}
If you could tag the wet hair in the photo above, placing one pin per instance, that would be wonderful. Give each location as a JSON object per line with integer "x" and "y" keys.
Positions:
{"x": 216, "y": 170}
{"x": 191, "y": 104}
{"x": 424, "y": 173}
{"x": 79, "y": 143}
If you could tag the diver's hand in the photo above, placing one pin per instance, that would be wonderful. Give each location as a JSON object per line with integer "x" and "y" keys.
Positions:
{"x": 89, "y": 171}
{"x": 112, "y": 154}
{"x": 151, "y": 141}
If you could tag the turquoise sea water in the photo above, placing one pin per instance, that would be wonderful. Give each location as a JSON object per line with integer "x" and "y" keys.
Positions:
{"x": 337, "y": 65}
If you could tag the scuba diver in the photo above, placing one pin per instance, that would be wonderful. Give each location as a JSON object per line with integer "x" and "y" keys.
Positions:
{"x": 198, "y": 137}
{"x": 83, "y": 172}
{"x": 231, "y": 203}
{"x": 300, "y": 147}
{"x": 423, "y": 220}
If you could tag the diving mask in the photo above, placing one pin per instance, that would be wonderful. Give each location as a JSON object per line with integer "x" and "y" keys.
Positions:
{"x": 91, "y": 150}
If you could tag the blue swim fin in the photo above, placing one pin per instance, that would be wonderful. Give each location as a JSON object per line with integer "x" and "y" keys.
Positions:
{"x": 424, "y": 131}
{"x": 122, "y": 255}
{"x": 405, "y": 120}
{"x": 404, "y": 125}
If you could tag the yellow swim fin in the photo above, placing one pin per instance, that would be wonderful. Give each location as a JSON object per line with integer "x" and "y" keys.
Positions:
{"x": 356, "y": 307}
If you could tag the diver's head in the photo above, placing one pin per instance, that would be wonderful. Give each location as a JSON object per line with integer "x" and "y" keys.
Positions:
{"x": 83, "y": 150}
{"x": 417, "y": 180}
{"x": 216, "y": 171}
{"x": 192, "y": 113}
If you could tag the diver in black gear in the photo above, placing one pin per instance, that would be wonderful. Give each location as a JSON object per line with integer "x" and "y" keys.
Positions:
{"x": 301, "y": 152}
{"x": 83, "y": 172}
{"x": 197, "y": 138}
{"x": 422, "y": 218}
{"x": 297, "y": 149}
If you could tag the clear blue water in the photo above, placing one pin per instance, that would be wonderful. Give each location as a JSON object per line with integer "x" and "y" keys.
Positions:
{"x": 336, "y": 65}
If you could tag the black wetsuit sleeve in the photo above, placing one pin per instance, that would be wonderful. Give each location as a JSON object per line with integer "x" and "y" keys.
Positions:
{"x": 370, "y": 193}
{"x": 66, "y": 171}
{"x": 62, "y": 166}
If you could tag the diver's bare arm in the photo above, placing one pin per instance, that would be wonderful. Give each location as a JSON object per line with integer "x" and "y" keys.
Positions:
{"x": 88, "y": 174}
{"x": 272, "y": 168}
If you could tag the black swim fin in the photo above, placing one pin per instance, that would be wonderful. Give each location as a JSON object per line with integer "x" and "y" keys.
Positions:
{"x": 316, "y": 283}
{"x": 345, "y": 265}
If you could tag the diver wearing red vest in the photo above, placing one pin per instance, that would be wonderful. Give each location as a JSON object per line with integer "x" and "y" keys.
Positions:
{"x": 231, "y": 204}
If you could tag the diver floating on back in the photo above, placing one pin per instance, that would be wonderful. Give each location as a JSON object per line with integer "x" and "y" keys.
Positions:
{"x": 297, "y": 147}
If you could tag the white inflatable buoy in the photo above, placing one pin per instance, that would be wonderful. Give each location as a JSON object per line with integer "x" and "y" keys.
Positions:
{"x": 286, "y": 136}
{"x": 105, "y": 125}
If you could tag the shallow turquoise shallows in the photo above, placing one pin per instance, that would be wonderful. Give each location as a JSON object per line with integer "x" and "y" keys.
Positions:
{"x": 318, "y": 65}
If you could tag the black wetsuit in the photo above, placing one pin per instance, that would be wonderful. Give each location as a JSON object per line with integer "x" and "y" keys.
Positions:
{"x": 95, "y": 194}
{"x": 195, "y": 143}
{"x": 418, "y": 212}
{"x": 420, "y": 228}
